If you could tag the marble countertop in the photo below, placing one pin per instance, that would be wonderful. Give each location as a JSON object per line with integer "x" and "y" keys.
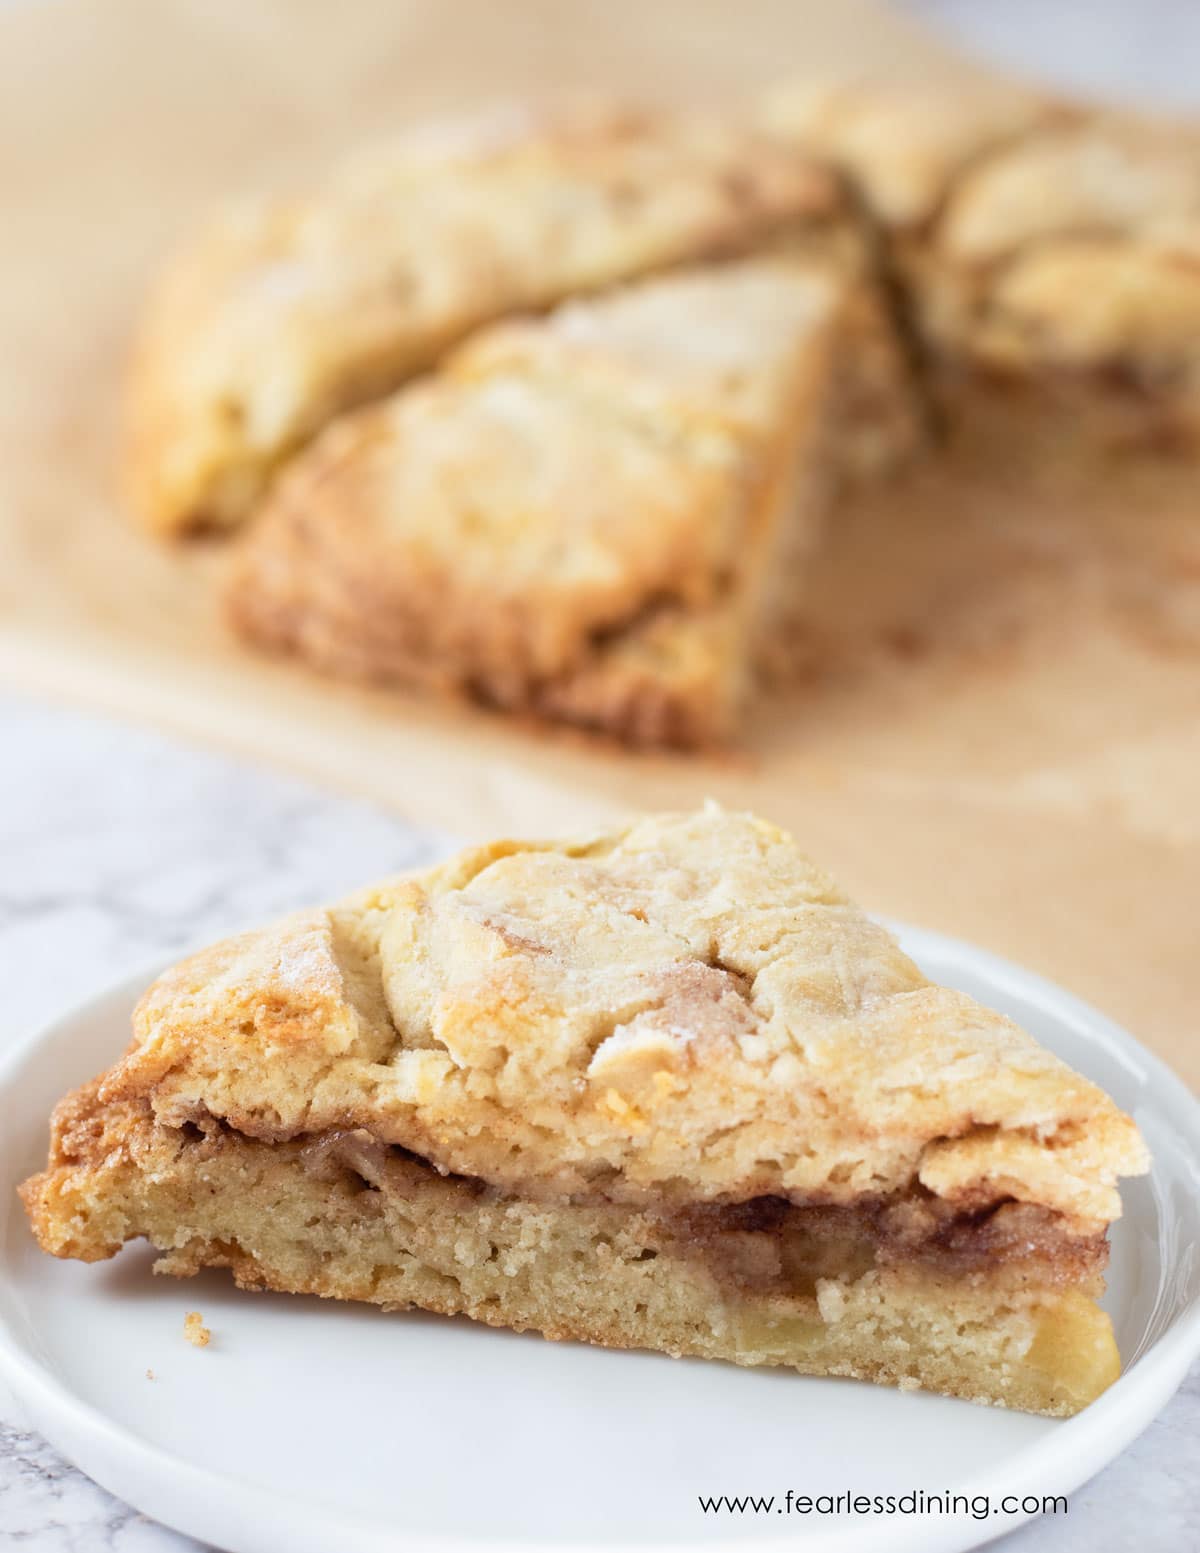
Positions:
{"x": 120, "y": 846}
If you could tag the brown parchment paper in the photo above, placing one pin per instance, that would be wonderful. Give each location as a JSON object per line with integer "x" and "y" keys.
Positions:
{"x": 1000, "y": 733}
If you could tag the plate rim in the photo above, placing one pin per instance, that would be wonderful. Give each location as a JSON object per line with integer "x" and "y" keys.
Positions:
{"x": 214, "y": 1504}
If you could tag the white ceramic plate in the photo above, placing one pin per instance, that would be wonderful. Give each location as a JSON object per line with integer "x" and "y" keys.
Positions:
{"x": 313, "y": 1426}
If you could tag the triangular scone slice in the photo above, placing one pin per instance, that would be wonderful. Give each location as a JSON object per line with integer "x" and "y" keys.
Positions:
{"x": 665, "y": 1087}
{"x": 595, "y": 516}
{"x": 291, "y": 311}
{"x": 1043, "y": 245}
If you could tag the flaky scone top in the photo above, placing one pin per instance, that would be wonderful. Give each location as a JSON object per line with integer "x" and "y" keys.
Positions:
{"x": 289, "y": 311}
{"x": 683, "y": 1009}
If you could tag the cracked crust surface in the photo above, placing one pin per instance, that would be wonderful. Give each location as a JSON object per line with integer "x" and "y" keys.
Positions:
{"x": 291, "y": 311}
{"x": 685, "y": 1010}
{"x": 577, "y": 515}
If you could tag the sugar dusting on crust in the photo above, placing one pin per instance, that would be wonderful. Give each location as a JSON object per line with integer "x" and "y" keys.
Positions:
{"x": 305, "y": 964}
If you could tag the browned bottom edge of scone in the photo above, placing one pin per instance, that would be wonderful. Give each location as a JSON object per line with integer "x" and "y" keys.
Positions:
{"x": 661, "y": 683}
{"x": 994, "y": 1306}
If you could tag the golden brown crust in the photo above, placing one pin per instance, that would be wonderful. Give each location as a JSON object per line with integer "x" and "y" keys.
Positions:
{"x": 683, "y": 1010}
{"x": 290, "y": 311}
{"x": 576, "y": 515}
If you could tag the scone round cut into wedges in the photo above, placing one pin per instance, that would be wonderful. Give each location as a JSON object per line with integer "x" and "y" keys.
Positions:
{"x": 663, "y": 1087}
{"x": 601, "y": 516}
{"x": 290, "y": 311}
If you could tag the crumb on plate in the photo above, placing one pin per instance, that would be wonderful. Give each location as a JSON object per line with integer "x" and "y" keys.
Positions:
{"x": 195, "y": 1331}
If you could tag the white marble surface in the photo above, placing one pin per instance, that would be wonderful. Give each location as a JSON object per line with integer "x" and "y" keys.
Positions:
{"x": 119, "y": 846}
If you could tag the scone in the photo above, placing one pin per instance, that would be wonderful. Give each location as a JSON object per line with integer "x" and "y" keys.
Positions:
{"x": 665, "y": 1088}
{"x": 1048, "y": 252}
{"x": 1068, "y": 265}
{"x": 288, "y": 312}
{"x": 599, "y": 516}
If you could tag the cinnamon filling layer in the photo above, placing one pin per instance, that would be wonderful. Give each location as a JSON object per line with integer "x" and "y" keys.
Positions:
{"x": 769, "y": 1241}
{"x": 770, "y": 1244}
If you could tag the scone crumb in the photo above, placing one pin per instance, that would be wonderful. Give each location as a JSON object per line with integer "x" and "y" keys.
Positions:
{"x": 149, "y": 1374}
{"x": 195, "y": 1331}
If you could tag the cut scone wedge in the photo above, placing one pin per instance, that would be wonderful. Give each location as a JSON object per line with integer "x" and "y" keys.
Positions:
{"x": 289, "y": 311}
{"x": 1067, "y": 267}
{"x": 601, "y": 516}
{"x": 1048, "y": 252}
{"x": 663, "y": 1088}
